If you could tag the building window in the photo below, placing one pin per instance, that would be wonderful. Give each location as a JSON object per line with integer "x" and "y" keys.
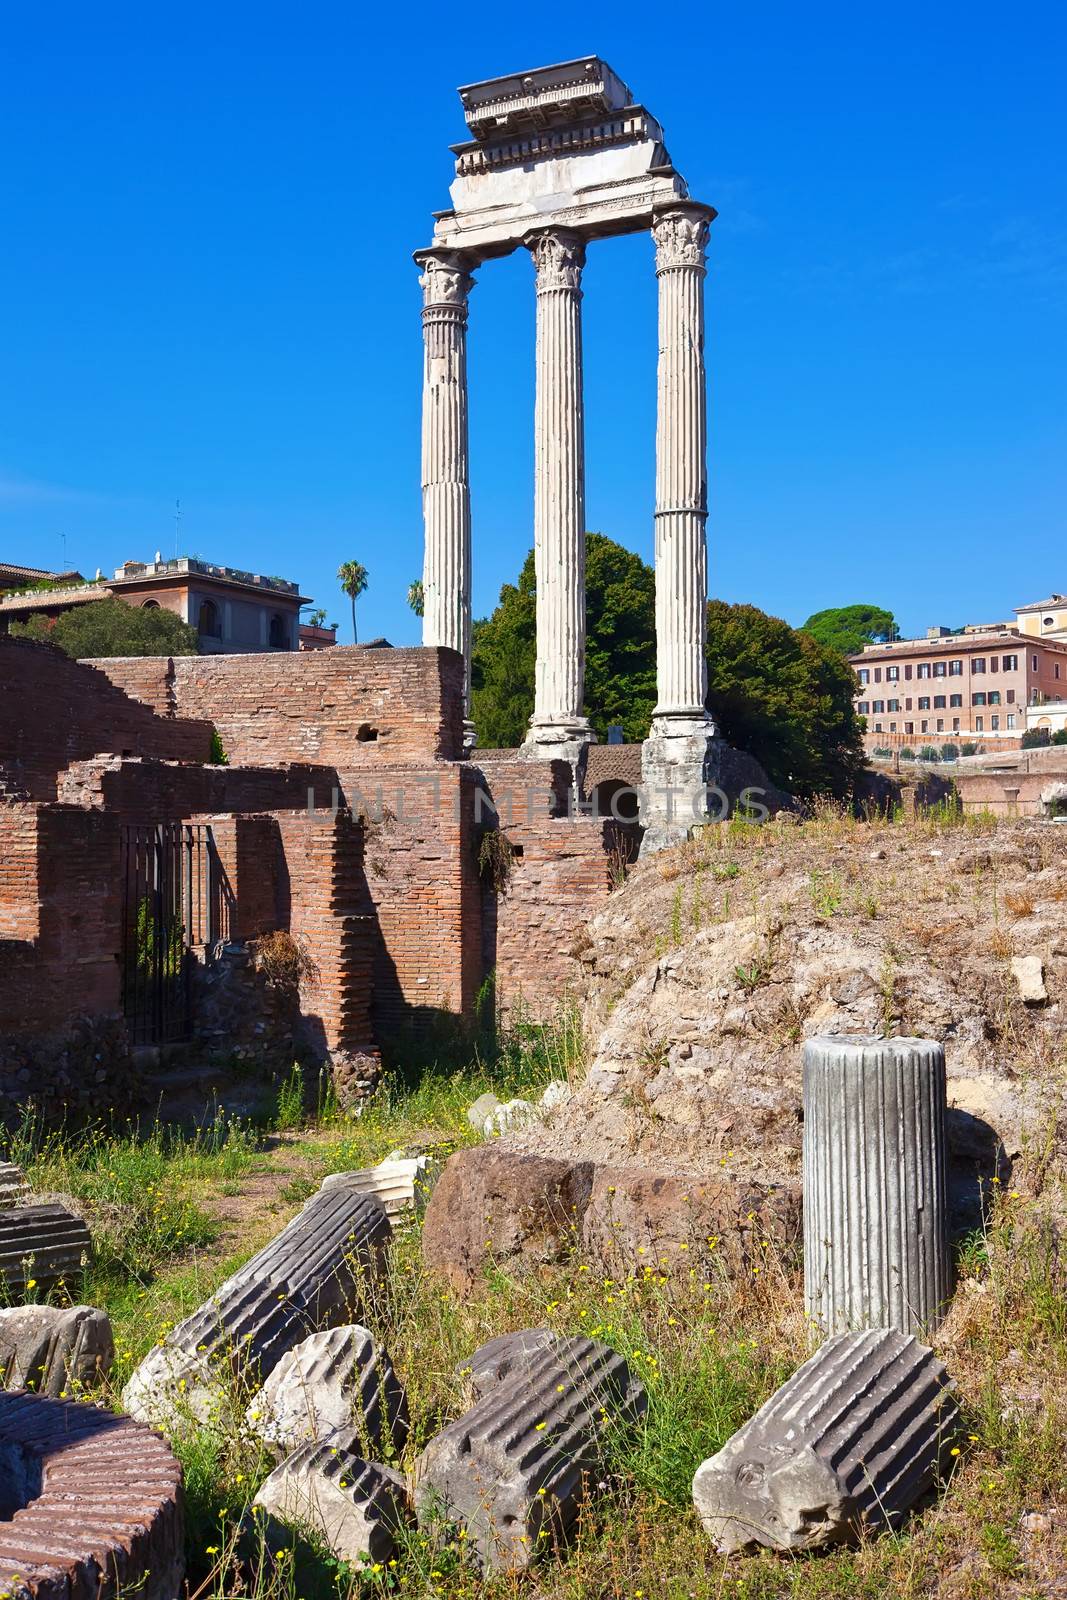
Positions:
{"x": 955, "y": 700}
{"x": 1011, "y": 719}
{"x": 907, "y": 670}
{"x": 878, "y": 727}
{"x": 939, "y": 702}
{"x": 907, "y": 704}
{"x": 909, "y": 727}
{"x": 955, "y": 724}
{"x": 877, "y": 674}
{"x": 892, "y": 674}
{"x": 993, "y": 663}
{"x": 1010, "y": 663}
{"x": 978, "y": 699}
{"x": 1048, "y": 622}
{"x": 208, "y": 623}
{"x": 924, "y": 702}
{"x": 1033, "y": 663}
{"x": 150, "y": 605}
{"x": 1009, "y": 695}
{"x": 878, "y": 706}
{"x": 1057, "y": 669}
{"x": 955, "y": 669}
{"x": 939, "y": 669}
{"x": 940, "y": 724}
{"x": 978, "y": 664}
{"x": 864, "y": 675}
{"x": 279, "y": 633}
{"x": 924, "y": 669}
{"x": 892, "y": 727}
{"x": 979, "y": 724}
{"x": 994, "y": 723}
{"x": 994, "y": 697}
{"x": 893, "y": 705}
{"x": 924, "y": 727}
{"x": 863, "y": 708}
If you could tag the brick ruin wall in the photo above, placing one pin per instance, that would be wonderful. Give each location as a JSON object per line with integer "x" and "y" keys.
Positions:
{"x": 390, "y": 904}
{"x": 54, "y": 711}
{"x": 344, "y": 707}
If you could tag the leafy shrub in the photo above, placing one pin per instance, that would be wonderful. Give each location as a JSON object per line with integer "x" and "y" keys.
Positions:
{"x": 1059, "y": 737}
{"x": 968, "y": 748}
{"x": 929, "y": 753}
{"x": 907, "y": 754}
{"x": 949, "y": 752}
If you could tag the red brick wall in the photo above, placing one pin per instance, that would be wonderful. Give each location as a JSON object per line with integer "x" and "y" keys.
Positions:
{"x": 563, "y": 871}
{"x": 68, "y": 862}
{"x": 347, "y": 707}
{"x": 330, "y": 915}
{"x": 140, "y": 790}
{"x": 54, "y": 711}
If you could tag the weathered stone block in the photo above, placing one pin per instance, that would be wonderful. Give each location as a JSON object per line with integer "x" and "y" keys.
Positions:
{"x": 336, "y": 1381}
{"x": 400, "y": 1183}
{"x": 45, "y": 1243}
{"x": 501, "y": 1358}
{"x": 513, "y": 1471}
{"x": 853, "y": 1439}
{"x": 14, "y": 1190}
{"x": 90, "y": 1504}
{"x": 55, "y": 1350}
{"x": 481, "y": 1108}
{"x": 328, "y": 1489}
{"x": 315, "y": 1274}
{"x": 876, "y": 1250}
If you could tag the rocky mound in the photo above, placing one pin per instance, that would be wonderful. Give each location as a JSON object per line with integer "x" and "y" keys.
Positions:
{"x": 706, "y": 971}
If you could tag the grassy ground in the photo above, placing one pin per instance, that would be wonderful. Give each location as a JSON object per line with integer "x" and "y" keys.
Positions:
{"x": 172, "y": 1214}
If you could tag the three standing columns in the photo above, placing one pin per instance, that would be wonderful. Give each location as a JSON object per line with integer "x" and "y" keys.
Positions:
{"x": 558, "y": 726}
{"x": 446, "y": 500}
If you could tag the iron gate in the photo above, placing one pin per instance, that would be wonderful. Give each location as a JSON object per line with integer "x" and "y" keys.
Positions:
{"x": 171, "y": 906}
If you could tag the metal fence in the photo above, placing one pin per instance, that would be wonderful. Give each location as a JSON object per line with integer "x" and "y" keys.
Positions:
{"x": 175, "y": 902}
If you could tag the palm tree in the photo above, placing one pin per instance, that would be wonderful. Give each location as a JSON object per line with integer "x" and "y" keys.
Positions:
{"x": 415, "y": 597}
{"x": 352, "y": 576}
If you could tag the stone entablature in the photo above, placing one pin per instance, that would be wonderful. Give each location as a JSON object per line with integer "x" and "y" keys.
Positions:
{"x": 561, "y": 156}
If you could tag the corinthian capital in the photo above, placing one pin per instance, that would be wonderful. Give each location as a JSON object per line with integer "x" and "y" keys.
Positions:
{"x": 446, "y": 278}
{"x": 559, "y": 257}
{"x": 681, "y": 237}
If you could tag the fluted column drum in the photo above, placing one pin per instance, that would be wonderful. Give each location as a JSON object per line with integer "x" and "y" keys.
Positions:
{"x": 559, "y": 494}
{"x": 446, "y": 506}
{"x": 876, "y": 1248}
{"x": 681, "y": 236}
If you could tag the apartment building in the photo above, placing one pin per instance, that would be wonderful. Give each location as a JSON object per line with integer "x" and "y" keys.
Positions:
{"x": 975, "y": 685}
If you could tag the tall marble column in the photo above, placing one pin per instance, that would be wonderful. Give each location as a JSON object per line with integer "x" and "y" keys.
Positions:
{"x": 677, "y": 756}
{"x": 558, "y": 727}
{"x": 446, "y": 505}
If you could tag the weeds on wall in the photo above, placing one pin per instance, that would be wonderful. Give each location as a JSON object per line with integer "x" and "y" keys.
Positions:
{"x": 496, "y": 859}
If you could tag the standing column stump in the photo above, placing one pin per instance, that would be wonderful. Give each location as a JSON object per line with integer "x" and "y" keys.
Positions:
{"x": 876, "y": 1249}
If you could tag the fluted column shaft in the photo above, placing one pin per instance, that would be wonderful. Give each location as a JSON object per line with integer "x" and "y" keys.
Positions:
{"x": 559, "y": 492}
{"x": 446, "y": 506}
{"x": 875, "y": 1209}
{"x": 681, "y": 465}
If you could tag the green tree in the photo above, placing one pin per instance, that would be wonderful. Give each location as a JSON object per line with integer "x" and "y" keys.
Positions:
{"x": 620, "y": 669}
{"x": 775, "y": 691}
{"x": 847, "y": 629}
{"x": 111, "y": 627}
{"x": 778, "y": 693}
{"x": 352, "y": 576}
{"x": 416, "y": 597}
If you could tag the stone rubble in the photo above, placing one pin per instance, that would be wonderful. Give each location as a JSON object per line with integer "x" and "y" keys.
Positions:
{"x": 513, "y": 1471}
{"x": 847, "y": 1444}
{"x": 14, "y": 1190}
{"x": 326, "y": 1487}
{"x": 400, "y": 1183}
{"x": 334, "y": 1382}
{"x": 44, "y": 1243}
{"x": 315, "y": 1274}
{"x": 55, "y": 1350}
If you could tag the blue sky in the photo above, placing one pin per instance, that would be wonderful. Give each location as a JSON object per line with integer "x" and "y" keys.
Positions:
{"x": 207, "y": 293}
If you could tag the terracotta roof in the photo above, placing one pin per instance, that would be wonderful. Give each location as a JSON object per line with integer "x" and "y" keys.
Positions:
{"x": 1051, "y": 603}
